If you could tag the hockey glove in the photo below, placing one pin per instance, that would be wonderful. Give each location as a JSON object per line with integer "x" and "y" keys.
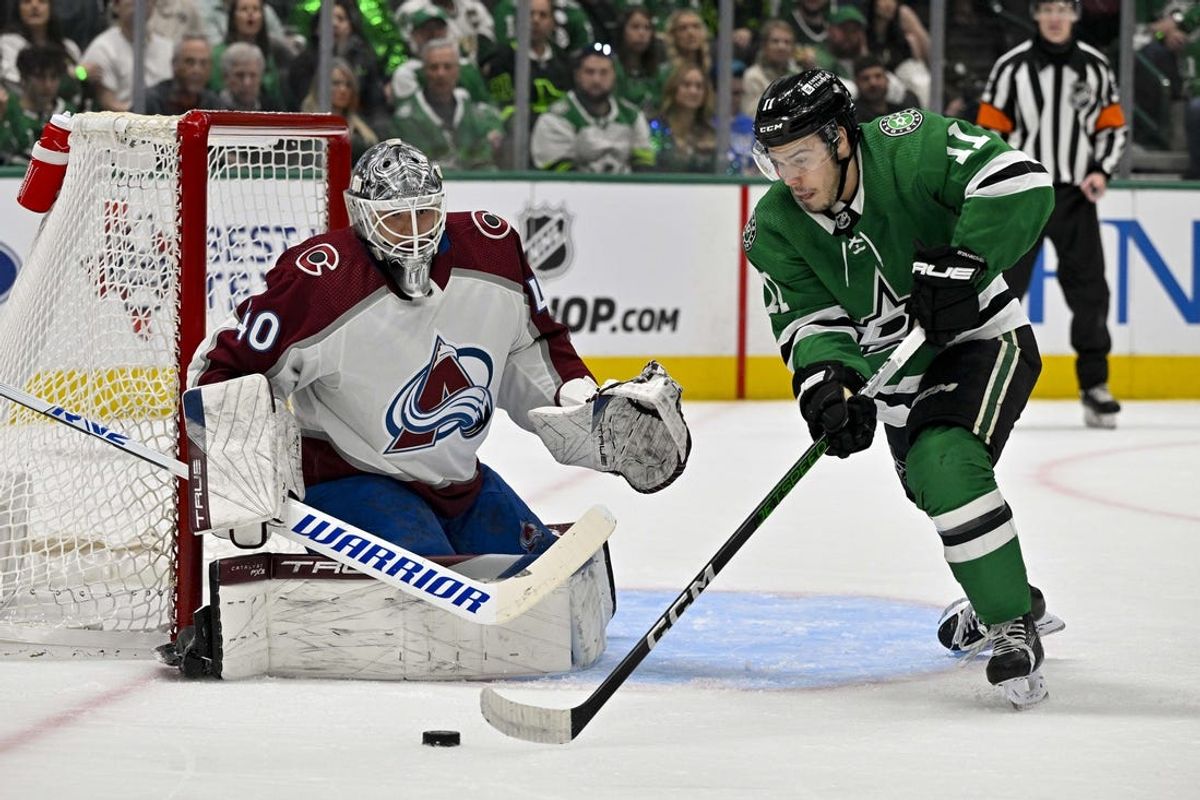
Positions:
{"x": 832, "y": 410}
{"x": 944, "y": 299}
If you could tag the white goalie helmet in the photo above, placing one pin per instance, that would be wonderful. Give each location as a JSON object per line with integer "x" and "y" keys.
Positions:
{"x": 397, "y": 205}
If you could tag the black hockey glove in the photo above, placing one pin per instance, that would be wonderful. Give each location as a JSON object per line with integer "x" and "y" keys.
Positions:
{"x": 846, "y": 420}
{"x": 944, "y": 297}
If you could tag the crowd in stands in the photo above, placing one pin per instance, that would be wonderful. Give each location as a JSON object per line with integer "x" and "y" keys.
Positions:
{"x": 616, "y": 86}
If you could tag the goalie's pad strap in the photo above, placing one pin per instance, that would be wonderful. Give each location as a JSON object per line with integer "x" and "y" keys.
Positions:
{"x": 302, "y": 616}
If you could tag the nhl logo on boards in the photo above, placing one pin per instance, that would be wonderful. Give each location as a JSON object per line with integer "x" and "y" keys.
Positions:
{"x": 547, "y": 233}
{"x": 901, "y": 122}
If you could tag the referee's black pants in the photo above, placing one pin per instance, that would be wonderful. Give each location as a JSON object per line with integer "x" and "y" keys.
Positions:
{"x": 1074, "y": 228}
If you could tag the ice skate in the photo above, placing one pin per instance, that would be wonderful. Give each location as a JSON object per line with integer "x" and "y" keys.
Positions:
{"x": 959, "y": 628}
{"x": 1100, "y": 408}
{"x": 1015, "y": 665}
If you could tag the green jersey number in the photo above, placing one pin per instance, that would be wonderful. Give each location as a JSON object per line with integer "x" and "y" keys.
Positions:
{"x": 959, "y": 154}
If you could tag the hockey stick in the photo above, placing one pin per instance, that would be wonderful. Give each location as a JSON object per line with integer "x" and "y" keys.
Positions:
{"x": 483, "y": 602}
{"x": 561, "y": 725}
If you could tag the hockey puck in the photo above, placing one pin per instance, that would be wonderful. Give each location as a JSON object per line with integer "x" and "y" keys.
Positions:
{"x": 441, "y": 738}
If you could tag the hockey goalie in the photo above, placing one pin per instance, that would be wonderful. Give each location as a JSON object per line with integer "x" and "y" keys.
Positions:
{"x": 362, "y": 380}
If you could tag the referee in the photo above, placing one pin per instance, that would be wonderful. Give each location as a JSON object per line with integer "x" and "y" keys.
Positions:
{"x": 1056, "y": 99}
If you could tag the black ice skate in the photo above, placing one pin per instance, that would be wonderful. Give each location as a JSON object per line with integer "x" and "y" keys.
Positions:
{"x": 959, "y": 629}
{"x": 1100, "y": 408}
{"x": 1015, "y": 665}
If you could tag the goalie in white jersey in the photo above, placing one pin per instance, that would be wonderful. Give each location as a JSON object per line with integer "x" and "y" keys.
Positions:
{"x": 396, "y": 340}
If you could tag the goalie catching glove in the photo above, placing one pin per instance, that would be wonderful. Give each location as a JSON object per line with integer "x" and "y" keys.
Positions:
{"x": 243, "y": 459}
{"x": 634, "y": 428}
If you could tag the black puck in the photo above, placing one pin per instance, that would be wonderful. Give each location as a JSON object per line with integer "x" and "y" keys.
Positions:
{"x": 441, "y": 738}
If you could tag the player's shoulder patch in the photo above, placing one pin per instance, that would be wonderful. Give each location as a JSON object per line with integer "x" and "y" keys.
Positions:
{"x": 318, "y": 259}
{"x": 901, "y": 122}
{"x": 491, "y": 225}
{"x": 750, "y": 232}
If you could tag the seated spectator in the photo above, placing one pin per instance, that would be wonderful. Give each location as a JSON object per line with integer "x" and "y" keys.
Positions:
{"x": 108, "y": 60}
{"x": 381, "y": 34}
{"x": 343, "y": 101}
{"x": 187, "y": 88}
{"x": 443, "y": 121}
{"x": 549, "y": 69}
{"x": 896, "y": 35}
{"x": 407, "y": 79}
{"x": 683, "y": 135}
{"x": 741, "y": 125}
{"x": 809, "y": 20}
{"x": 847, "y": 42}
{"x": 572, "y": 31}
{"x": 590, "y": 130}
{"x": 872, "y": 81}
{"x": 33, "y": 22}
{"x": 688, "y": 42}
{"x": 40, "y": 68}
{"x": 774, "y": 61}
{"x": 174, "y": 19}
{"x": 246, "y": 23}
{"x": 242, "y": 68}
{"x": 471, "y": 23}
{"x": 214, "y": 17}
{"x": 639, "y": 60}
{"x": 351, "y": 46}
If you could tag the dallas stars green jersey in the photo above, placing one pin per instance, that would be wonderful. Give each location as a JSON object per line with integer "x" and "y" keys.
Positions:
{"x": 835, "y": 286}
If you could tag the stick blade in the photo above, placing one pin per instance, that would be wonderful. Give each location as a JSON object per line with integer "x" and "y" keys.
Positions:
{"x": 556, "y": 565}
{"x": 521, "y": 721}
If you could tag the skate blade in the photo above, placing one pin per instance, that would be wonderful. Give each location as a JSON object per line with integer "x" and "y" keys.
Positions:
{"x": 1025, "y": 692}
{"x": 1048, "y": 624}
{"x": 1095, "y": 420}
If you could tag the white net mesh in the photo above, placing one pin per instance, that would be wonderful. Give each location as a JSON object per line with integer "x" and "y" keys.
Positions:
{"x": 87, "y": 533}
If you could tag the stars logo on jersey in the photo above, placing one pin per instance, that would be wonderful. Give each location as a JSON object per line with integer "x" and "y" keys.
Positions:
{"x": 750, "y": 233}
{"x": 449, "y": 394}
{"x": 901, "y": 122}
{"x": 547, "y": 233}
{"x": 887, "y": 324}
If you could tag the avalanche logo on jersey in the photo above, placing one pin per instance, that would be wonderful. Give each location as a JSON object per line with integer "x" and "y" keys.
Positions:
{"x": 448, "y": 394}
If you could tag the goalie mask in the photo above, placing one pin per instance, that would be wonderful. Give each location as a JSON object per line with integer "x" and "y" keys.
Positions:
{"x": 397, "y": 205}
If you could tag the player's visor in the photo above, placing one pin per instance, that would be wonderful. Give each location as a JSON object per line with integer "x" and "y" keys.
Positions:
{"x": 807, "y": 155}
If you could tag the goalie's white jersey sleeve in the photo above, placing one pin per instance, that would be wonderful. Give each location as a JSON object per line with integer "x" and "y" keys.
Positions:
{"x": 381, "y": 384}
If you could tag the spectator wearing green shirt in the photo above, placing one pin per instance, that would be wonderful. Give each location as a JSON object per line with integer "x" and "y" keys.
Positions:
{"x": 246, "y": 23}
{"x": 640, "y": 56}
{"x": 683, "y": 134}
{"x": 549, "y": 68}
{"x": 443, "y": 121}
{"x": 408, "y": 78}
{"x": 41, "y": 70}
{"x": 572, "y": 28}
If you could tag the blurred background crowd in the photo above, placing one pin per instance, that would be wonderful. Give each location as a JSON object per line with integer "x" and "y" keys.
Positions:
{"x": 613, "y": 85}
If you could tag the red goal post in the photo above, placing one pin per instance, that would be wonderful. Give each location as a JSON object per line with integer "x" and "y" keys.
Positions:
{"x": 163, "y": 225}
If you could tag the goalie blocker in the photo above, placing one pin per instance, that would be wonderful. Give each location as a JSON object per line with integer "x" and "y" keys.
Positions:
{"x": 304, "y": 616}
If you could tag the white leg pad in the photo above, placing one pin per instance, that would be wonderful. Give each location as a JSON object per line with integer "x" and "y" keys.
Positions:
{"x": 308, "y": 617}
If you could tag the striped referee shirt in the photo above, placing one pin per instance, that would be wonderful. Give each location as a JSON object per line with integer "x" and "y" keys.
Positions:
{"x": 1061, "y": 108}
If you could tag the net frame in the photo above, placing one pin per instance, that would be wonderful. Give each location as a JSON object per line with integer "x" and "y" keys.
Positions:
{"x": 196, "y": 136}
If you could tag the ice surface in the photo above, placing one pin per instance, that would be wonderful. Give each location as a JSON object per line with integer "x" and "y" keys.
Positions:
{"x": 1110, "y": 527}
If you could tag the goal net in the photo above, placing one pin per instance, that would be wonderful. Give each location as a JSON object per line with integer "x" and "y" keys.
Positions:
{"x": 163, "y": 225}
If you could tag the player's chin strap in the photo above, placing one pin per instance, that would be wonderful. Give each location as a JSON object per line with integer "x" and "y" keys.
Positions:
{"x": 843, "y": 165}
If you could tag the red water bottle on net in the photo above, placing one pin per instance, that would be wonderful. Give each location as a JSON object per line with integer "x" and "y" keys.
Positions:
{"x": 47, "y": 166}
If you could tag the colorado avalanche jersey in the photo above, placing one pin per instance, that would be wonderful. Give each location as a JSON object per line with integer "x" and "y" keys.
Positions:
{"x": 385, "y": 385}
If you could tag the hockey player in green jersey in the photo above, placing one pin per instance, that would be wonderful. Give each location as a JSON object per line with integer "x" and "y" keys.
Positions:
{"x": 868, "y": 230}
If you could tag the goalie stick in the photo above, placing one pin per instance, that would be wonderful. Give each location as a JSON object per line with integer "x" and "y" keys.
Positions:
{"x": 562, "y": 725}
{"x": 486, "y": 603}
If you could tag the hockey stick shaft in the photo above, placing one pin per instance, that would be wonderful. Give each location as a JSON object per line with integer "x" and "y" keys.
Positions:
{"x": 486, "y": 603}
{"x": 558, "y": 726}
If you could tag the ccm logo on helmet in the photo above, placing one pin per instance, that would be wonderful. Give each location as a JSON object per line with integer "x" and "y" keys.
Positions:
{"x": 952, "y": 273}
{"x": 770, "y": 128}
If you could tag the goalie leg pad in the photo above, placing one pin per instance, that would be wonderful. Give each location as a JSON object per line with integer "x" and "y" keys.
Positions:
{"x": 301, "y": 616}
